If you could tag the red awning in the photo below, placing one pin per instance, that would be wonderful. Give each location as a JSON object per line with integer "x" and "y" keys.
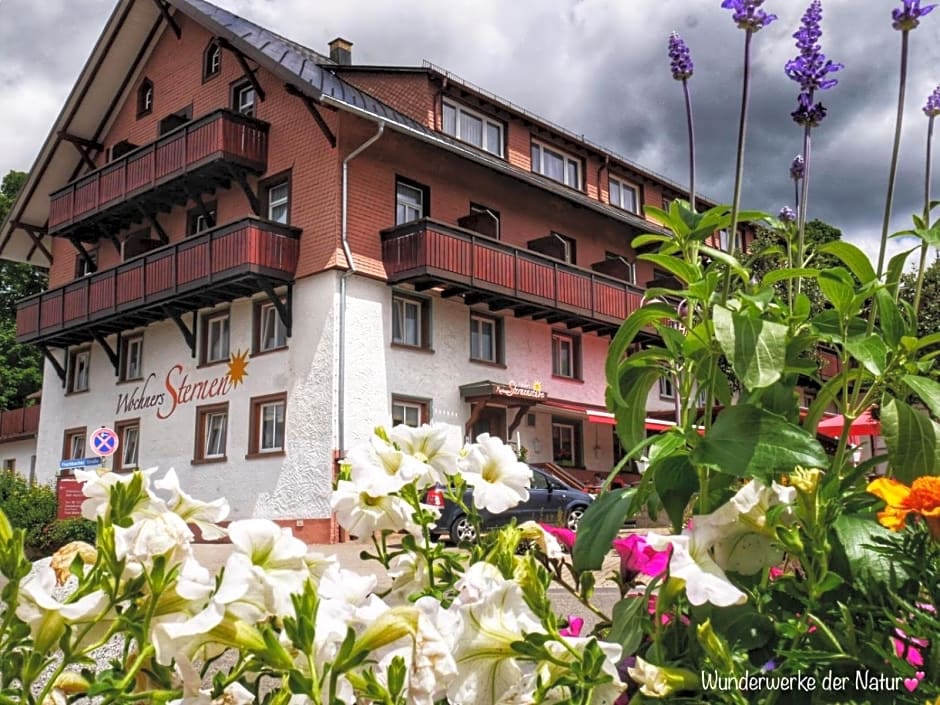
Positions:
{"x": 601, "y": 417}
{"x": 864, "y": 425}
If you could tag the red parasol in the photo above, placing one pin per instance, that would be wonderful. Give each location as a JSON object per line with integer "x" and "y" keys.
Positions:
{"x": 864, "y": 425}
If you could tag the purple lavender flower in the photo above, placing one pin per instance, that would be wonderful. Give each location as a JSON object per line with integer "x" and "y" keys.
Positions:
{"x": 806, "y": 113}
{"x": 796, "y": 168}
{"x": 748, "y": 15}
{"x": 680, "y": 58}
{"x": 787, "y": 214}
{"x": 932, "y": 107}
{"x": 811, "y": 66}
{"x": 908, "y": 17}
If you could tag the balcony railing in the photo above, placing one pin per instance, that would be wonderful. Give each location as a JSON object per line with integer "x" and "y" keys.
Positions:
{"x": 430, "y": 252}
{"x": 215, "y": 265}
{"x": 19, "y": 423}
{"x": 220, "y": 138}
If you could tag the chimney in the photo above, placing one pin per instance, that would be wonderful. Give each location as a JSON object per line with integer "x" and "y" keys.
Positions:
{"x": 341, "y": 51}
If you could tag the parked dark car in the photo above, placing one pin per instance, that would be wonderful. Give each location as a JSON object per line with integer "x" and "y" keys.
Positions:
{"x": 551, "y": 501}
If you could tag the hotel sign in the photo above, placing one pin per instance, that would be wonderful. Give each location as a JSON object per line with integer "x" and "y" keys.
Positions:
{"x": 514, "y": 390}
{"x": 177, "y": 389}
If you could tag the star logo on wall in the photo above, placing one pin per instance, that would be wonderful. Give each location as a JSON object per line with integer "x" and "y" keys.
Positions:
{"x": 238, "y": 367}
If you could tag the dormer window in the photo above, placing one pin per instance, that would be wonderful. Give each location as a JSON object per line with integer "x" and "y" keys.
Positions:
{"x": 212, "y": 61}
{"x": 473, "y": 127}
{"x": 556, "y": 165}
{"x": 145, "y": 98}
{"x": 243, "y": 99}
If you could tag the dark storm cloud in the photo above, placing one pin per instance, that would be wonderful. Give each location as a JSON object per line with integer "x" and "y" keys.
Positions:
{"x": 598, "y": 67}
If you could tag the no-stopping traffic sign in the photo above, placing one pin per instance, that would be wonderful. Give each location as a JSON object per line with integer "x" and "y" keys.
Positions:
{"x": 103, "y": 441}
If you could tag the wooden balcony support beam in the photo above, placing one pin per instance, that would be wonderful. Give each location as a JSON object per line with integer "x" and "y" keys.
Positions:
{"x": 152, "y": 219}
{"x": 170, "y": 20}
{"x": 195, "y": 196}
{"x": 189, "y": 334}
{"x": 246, "y": 69}
{"x": 425, "y": 284}
{"x": 35, "y": 232}
{"x": 239, "y": 177}
{"x": 314, "y": 112}
{"x": 452, "y": 291}
{"x": 109, "y": 351}
{"x": 283, "y": 308}
{"x": 84, "y": 146}
{"x": 56, "y": 365}
{"x": 523, "y": 410}
{"x": 524, "y": 310}
{"x": 84, "y": 254}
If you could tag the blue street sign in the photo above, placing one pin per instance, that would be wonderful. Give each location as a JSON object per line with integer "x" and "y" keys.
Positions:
{"x": 79, "y": 463}
{"x": 103, "y": 441}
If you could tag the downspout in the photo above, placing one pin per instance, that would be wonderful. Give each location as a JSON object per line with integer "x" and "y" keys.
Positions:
{"x": 350, "y": 270}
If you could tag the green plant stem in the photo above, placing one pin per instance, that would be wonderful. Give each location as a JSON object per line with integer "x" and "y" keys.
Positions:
{"x": 892, "y": 174}
{"x": 559, "y": 579}
{"x": 923, "y": 245}
{"x": 803, "y": 201}
{"x": 739, "y": 165}
{"x": 688, "y": 114}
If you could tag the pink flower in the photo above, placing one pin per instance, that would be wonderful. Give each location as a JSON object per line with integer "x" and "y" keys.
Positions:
{"x": 565, "y": 536}
{"x": 775, "y": 572}
{"x": 908, "y": 648}
{"x": 575, "y": 624}
{"x": 636, "y": 556}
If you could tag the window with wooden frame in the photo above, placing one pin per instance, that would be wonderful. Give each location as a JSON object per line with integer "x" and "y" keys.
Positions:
{"x": 268, "y": 425}
{"x": 486, "y": 338}
{"x": 212, "y": 61}
{"x": 566, "y": 442}
{"x": 175, "y": 120}
{"x": 473, "y": 127}
{"x": 215, "y": 337}
{"x": 411, "y": 321}
{"x": 270, "y": 333}
{"x": 412, "y": 200}
{"x": 624, "y": 195}
{"x": 196, "y": 220}
{"x": 666, "y": 388}
{"x": 566, "y": 355}
{"x": 132, "y": 358}
{"x": 79, "y": 368}
{"x": 9, "y": 465}
{"x": 73, "y": 443}
{"x": 127, "y": 456}
{"x": 556, "y": 165}
{"x": 410, "y": 411}
{"x": 145, "y": 98}
{"x": 244, "y": 98}
{"x": 83, "y": 266}
{"x": 211, "y": 433}
{"x": 275, "y": 197}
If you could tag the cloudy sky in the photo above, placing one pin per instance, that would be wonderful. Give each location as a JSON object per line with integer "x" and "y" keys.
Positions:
{"x": 598, "y": 67}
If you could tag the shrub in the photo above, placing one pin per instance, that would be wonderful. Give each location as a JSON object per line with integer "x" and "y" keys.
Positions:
{"x": 53, "y": 536}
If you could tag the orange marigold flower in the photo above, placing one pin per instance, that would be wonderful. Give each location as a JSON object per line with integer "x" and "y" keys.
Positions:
{"x": 922, "y": 497}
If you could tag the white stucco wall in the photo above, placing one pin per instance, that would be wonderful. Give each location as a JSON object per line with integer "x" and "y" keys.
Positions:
{"x": 21, "y": 452}
{"x": 295, "y": 484}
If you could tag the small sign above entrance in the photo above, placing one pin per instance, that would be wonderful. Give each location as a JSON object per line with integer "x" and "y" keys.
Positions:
{"x": 514, "y": 390}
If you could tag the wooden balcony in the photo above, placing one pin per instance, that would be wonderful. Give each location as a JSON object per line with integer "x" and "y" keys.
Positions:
{"x": 222, "y": 264}
{"x": 428, "y": 254}
{"x": 195, "y": 158}
{"x": 16, "y": 424}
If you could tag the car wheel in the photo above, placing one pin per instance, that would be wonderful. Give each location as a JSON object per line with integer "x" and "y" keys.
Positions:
{"x": 462, "y": 530}
{"x": 574, "y": 518}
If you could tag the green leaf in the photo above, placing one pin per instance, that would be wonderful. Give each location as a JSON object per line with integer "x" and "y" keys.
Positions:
{"x": 856, "y": 536}
{"x": 747, "y": 441}
{"x": 743, "y": 626}
{"x": 927, "y": 390}
{"x": 726, "y": 259}
{"x": 683, "y": 270}
{"x": 601, "y": 522}
{"x": 648, "y": 239}
{"x": 892, "y": 324}
{"x": 779, "y": 275}
{"x": 635, "y": 322}
{"x": 629, "y": 407}
{"x": 913, "y": 441}
{"x": 871, "y": 352}
{"x": 828, "y": 326}
{"x": 627, "y": 623}
{"x": 755, "y": 347}
{"x": 852, "y": 257}
{"x": 894, "y": 270}
{"x": 838, "y": 287}
{"x": 676, "y": 481}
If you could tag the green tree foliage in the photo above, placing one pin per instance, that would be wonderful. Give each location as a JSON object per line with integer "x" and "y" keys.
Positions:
{"x": 765, "y": 260}
{"x": 928, "y": 318}
{"x": 20, "y": 365}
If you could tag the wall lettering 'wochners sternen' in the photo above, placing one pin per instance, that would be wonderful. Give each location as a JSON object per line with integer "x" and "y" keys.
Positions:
{"x": 179, "y": 390}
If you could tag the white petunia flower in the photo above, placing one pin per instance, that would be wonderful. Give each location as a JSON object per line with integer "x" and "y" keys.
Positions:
{"x": 362, "y": 513}
{"x": 493, "y": 615}
{"x": 436, "y": 446}
{"x": 158, "y": 534}
{"x": 658, "y": 682}
{"x": 691, "y": 561}
{"x": 205, "y": 515}
{"x": 96, "y": 486}
{"x": 498, "y": 479}
{"x": 547, "y": 544}
{"x": 379, "y": 468}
